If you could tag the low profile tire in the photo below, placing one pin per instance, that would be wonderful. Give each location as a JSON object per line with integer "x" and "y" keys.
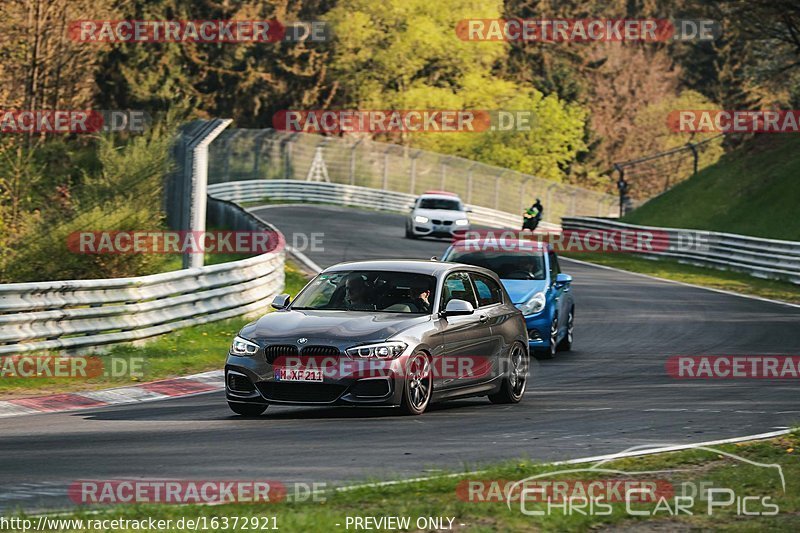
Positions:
{"x": 410, "y": 233}
{"x": 566, "y": 343}
{"x": 550, "y": 351}
{"x": 417, "y": 385}
{"x": 247, "y": 409}
{"x": 513, "y": 388}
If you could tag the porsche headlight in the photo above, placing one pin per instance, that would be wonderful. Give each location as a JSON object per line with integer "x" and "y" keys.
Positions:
{"x": 534, "y": 305}
{"x": 242, "y": 346}
{"x": 420, "y": 219}
{"x": 383, "y": 350}
{"x": 462, "y": 222}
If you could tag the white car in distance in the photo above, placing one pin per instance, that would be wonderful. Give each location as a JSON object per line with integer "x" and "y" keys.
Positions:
{"x": 437, "y": 214}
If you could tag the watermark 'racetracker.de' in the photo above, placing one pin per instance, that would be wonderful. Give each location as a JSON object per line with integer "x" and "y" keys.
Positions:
{"x": 70, "y": 121}
{"x": 196, "y": 31}
{"x": 557, "y": 30}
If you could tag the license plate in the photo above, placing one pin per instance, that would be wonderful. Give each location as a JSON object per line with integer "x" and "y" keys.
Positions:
{"x": 298, "y": 374}
{"x": 440, "y": 228}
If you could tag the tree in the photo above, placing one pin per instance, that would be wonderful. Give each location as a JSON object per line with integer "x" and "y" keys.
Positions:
{"x": 405, "y": 55}
{"x": 247, "y": 81}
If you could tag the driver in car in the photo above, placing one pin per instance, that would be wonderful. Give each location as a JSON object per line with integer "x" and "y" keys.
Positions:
{"x": 357, "y": 294}
{"x": 420, "y": 295}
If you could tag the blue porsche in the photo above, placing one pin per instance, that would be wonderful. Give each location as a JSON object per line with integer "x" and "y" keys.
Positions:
{"x": 530, "y": 273}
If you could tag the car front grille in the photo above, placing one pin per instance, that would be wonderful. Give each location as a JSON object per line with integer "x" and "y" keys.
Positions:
{"x": 301, "y": 392}
{"x": 442, "y": 222}
{"x": 279, "y": 350}
{"x": 323, "y": 351}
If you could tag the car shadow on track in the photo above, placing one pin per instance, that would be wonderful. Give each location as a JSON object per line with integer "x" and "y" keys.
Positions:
{"x": 303, "y": 413}
{"x": 204, "y": 411}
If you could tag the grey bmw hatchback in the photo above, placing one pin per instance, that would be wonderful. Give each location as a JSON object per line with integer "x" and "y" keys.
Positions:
{"x": 383, "y": 333}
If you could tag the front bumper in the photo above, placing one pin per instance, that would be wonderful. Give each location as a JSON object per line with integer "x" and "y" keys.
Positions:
{"x": 538, "y": 327}
{"x": 248, "y": 380}
{"x": 430, "y": 229}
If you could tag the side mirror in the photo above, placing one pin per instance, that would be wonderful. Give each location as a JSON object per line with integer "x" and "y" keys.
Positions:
{"x": 563, "y": 279}
{"x": 456, "y": 307}
{"x": 468, "y": 210}
{"x": 281, "y": 301}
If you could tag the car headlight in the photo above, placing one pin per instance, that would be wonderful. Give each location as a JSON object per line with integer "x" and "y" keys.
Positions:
{"x": 420, "y": 219}
{"x": 534, "y": 305}
{"x": 242, "y": 346}
{"x": 383, "y": 350}
{"x": 462, "y": 222}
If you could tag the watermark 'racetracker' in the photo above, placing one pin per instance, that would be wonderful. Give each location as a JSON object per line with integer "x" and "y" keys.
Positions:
{"x": 736, "y": 121}
{"x": 733, "y": 366}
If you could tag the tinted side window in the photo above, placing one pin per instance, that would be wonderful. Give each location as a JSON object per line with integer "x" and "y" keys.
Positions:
{"x": 457, "y": 286}
{"x": 488, "y": 291}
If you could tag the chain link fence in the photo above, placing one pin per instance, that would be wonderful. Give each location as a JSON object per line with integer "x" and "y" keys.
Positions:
{"x": 652, "y": 175}
{"x": 243, "y": 154}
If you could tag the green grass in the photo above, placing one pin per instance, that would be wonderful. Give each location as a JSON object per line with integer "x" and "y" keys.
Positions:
{"x": 706, "y": 277}
{"x": 185, "y": 351}
{"x": 438, "y": 497}
{"x": 754, "y": 190}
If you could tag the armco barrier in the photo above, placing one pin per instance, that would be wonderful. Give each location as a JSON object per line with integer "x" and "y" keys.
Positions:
{"x": 340, "y": 194}
{"x": 76, "y": 315}
{"x": 763, "y": 258}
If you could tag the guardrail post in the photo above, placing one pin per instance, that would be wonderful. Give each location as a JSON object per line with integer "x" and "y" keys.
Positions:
{"x": 693, "y": 148}
{"x": 186, "y": 194}
{"x": 226, "y": 150}
{"x": 549, "y": 197}
{"x": 469, "y": 184}
{"x": 257, "y": 155}
{"x": 497, "y": 189}
{"x": 413, "y": 172}
{"x": 353, "y": 161}
{"x": 574, "y": 202}
{"x": 385, "y": 185}
{"x": 287, "y": 159}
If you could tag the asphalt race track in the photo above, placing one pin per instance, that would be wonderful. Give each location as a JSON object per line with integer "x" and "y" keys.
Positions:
{"x": 610, "y": 393}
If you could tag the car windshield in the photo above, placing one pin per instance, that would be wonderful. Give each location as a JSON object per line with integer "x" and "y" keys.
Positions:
{"x": 355, "y": 290}
{"x": 507, "y": 264}
{"x": 440, "y": 203}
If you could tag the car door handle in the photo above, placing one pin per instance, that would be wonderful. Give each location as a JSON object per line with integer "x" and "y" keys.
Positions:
{"x": 484, "y": 318}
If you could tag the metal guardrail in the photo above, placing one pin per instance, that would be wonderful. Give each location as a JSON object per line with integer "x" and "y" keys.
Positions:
{"x": 69, "y": 315}
{"x": 340, "y": 194}
{"x": 762, "y": 258}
